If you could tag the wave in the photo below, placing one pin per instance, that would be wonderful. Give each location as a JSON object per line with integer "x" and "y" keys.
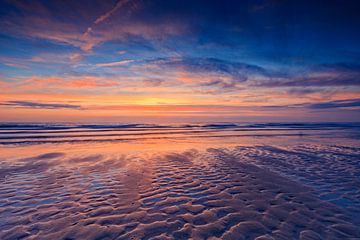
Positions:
{"x": 62, "y": 126}
{"x": 37, "y": 133}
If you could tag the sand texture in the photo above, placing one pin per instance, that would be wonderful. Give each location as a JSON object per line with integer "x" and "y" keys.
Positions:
{"x": 214, "y": 181}
{"x": 211, "y": 194}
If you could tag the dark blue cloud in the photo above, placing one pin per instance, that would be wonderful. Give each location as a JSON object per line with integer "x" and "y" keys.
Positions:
{"x": 27, "y": 104}
{"x": 220, "y": 74}
{"x": 336, "y": 104}
{"x": 317, "y": 75}
{"x": 321, "y": 75}
{"x": 344, "y": 104}
{"x": 237, "y": 70}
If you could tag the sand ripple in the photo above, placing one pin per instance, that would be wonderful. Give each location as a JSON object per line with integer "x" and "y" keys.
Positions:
{"x": 215, "y": 194}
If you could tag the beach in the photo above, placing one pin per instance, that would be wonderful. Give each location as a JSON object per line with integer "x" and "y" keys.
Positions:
{"x": 181, "y": 119}
{"x": 199, "y": 181}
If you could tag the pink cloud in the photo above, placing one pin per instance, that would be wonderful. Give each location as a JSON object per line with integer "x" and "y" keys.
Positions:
{"x": 73, "y": 83}
{"x": 108, "y": 14}
{"x": 39, "y": 22}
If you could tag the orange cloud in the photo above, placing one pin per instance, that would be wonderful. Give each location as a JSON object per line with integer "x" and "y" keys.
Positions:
{"x": 38, "y": 83}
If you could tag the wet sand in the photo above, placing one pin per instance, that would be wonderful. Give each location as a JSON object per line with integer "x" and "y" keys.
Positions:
{"x": 161, "y": 189}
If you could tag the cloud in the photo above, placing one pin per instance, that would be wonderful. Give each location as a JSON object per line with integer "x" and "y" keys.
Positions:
{"x": 221, "y": 84}
{"x": 336, "y": 104}
{"x": 13, "y": 62}
{"x": 313, "y": 80}
{"x": 105, "y": 16}
{"x": 322, "y": 75}
{"x": 75, "y": 57}
{"x": 230, "y": 76}
{"x": 38, "y": 20}
{"x": 348, "y": 103}
{"x": 28, "y": 104}
{"x": 237, "y": 70}
{"x": 90, "y": 41}
{"x": 226, "y": 76}
{"x": 153, "y": 82}
{"x": 88, "y": 82}
{"x": 121, "y": 52}
{"x": 51, "y": 59}
{"x": 302, "y": 91}
{"x": 114, "y": 64}
{"x": 62, "y": 83}
{"x": 15, "y": 65}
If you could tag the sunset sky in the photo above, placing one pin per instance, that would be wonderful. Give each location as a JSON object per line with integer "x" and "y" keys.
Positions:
{"x": 185, "y": 60}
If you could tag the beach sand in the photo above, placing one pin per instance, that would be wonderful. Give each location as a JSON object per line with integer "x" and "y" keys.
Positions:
{"x": 183, "y": 191}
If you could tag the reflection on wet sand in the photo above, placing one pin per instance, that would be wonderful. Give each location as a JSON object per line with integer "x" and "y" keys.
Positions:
{"x": 282, "y": 187}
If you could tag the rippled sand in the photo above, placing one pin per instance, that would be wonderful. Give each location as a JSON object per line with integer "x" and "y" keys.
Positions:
{"x": 162, "y": 189}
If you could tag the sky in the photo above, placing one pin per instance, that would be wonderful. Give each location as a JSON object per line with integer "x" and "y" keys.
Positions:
{"x": 179, "y": 61}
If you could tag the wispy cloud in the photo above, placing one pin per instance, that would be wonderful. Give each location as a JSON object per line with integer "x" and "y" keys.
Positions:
{"x": 61, "y": 83}
{"x": 121, "y": 52}
{"x": 42, "y": 22}
{"x": 336, "y": 104}
{"x": 27, "y": 104}
{"x": 322, "y": 75}
{"x": 226, "y": 76}
{"x": 114, "y": 64}
{"x": 348, "y": 103}
{"x": 13, "y": 62}
{"x": 238, "y": 70}
{"x": 90, "y": 41}
{"x": 108, "y": 14}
